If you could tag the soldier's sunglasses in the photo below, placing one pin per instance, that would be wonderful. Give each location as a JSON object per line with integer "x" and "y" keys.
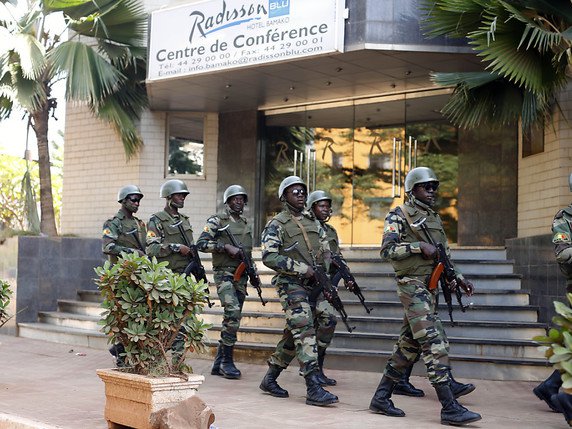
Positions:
{"x": 429, "y": 186}
{"x": 134, "y": 199}
{"x": 298, "y": 192}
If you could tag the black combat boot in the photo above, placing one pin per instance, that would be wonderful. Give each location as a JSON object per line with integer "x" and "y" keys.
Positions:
{"x": 380, "y": 403}
{"x": 460, "y": 389}
{"x": 116, "y": 350}
{"x": 324, "y": 380}
{"x": 404, "y": 387}
{"x": 453, "y": 413}
{"x": 227, "y": 368}
{"x": 215, "y": 370}
{"x": 549, "y": 387}
{"x": 315, "y": 393}
{"x": 269, "y": 384}
{"x": 564, "y": 402}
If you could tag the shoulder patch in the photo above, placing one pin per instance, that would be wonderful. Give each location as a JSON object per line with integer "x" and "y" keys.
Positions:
{"x": 151, "y": 234}
{"x": 561, "y": 237}
{"x": 390, "y": 228}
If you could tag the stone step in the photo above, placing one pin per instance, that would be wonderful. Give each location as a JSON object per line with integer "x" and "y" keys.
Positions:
{"x": 384, "y": 342}
{"x": 63, "y": 335}
{"x": 388, "y": 325}
{"x": 395, "y": 309}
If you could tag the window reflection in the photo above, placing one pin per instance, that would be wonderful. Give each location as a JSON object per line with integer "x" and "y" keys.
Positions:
{"x": 186, "y": 144}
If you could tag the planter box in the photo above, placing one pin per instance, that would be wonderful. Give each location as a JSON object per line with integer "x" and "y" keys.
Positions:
{"x": 130, "y": 398}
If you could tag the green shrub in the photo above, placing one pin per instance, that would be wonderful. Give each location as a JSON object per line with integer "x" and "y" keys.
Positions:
{"x": 146, "y": 305}
{"x": 557, "y": 345}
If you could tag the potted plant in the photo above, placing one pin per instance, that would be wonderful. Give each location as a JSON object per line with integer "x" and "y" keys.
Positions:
{"x": 146, "y": 307}
{"x": 557, "y": 345}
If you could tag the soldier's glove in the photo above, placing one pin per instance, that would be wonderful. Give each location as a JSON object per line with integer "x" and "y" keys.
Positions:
{"x": 467, "y": 286}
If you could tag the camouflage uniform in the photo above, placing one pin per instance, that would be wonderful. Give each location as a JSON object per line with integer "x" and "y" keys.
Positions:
{"x": 562, "y": 240}
{"x": 298, "y": 302}
{"x": 116, "y": 239}
{"x": 164, "y": 240}
{"x": 231, "y": 293}
{"x": 422, "y": 330}
{"x": 327, "y": 320}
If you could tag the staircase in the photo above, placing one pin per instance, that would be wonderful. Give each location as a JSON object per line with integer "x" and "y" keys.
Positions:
{"x": 491, "y": 340}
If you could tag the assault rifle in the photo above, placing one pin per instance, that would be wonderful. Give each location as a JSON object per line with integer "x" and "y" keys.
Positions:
{"x": 195, "y": 266}
{"x": 324, "y": 284}
{"x": 344, "y": 273}
{"x": 443, "y": 273}
{"x": 246, "y": 264}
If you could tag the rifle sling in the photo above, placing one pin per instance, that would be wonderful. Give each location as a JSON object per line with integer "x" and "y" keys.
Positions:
{"x": 306, "y": 239}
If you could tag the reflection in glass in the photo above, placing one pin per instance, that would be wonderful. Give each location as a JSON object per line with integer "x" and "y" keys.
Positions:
{"x": 186, "y": 144}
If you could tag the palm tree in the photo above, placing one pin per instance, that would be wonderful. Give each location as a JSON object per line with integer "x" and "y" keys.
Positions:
{"x": 103, "y": 63}
{"x": 525, "y": 46}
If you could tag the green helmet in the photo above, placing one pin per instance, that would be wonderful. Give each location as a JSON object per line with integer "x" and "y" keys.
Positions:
{"x": 419, "y": 175}
{"x": 316, "y": 196}
{"x": 289, "y": 181}
{"x": 233, "y": 190}
{"x": 173, "y": 186}
{"x": 128, "y": 190}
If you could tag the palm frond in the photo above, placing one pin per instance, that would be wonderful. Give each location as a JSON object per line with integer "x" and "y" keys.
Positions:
{"x": 113, "y": 112}
{"x": 31, "y": 55}
{"x": 89, "y": 76}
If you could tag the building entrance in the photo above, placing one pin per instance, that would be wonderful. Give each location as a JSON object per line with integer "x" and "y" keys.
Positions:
{"x": 359, "y": 153}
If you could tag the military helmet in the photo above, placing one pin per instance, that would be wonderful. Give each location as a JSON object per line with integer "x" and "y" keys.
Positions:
{"x": 419, "y": 175}
{"x": 173, "y": 186}
{"x": 570, "y": 182}
{"x": 289, "y": 181}
{"x": 316, "y": 196}
{"x": 233, "y": 190}
{"x": 128, "y": 190}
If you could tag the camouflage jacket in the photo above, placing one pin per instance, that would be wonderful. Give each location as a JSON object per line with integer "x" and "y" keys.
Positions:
{"x": 116, "y": 238}
{"x": 401, "y": 244}
{"x": 164, "y": 239}
{"x": 213, "y": 240}
{"x": 562, "y": 240}
{"x": 284, "y": 248}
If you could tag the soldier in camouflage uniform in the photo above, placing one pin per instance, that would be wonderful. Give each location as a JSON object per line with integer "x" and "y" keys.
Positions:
{"x": 124, "y": 233}
{"x": 320, "y": 205}
{"x": 226, "y": 259}
{"x": 413, "y": 259}
{"x": 167, "y": 233}
{"x": 562, "y": 240}
{"x": 292, "y": 242}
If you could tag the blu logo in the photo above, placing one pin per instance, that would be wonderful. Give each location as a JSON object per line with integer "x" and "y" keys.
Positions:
{"x": 278, "y": 8}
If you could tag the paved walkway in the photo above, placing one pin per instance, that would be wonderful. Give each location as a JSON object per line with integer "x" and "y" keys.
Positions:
{"x": 47, "y": 385}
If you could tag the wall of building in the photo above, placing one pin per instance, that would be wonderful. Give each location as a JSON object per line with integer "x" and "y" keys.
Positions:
{"x": 95, "y": 167}
{"x": 487, "y": 182}
{"x": 543, "y": 177}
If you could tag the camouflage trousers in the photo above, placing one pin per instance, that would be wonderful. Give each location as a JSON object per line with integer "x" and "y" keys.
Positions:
{"x": 308, "y": 326}
{"x": 421, "y": 333}
{"x": 231, "y": 295}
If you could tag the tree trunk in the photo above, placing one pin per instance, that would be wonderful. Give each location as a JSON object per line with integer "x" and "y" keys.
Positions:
{"x": 48, "y": 218}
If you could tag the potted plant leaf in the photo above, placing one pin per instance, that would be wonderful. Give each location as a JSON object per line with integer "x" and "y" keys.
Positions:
{"x": 148, "y": 308}
{"x": 557, "y": 345}
{"x": 5, "y": 296}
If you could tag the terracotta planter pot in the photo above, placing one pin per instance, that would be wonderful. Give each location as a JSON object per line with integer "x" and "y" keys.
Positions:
{"x": 130, "y": 398}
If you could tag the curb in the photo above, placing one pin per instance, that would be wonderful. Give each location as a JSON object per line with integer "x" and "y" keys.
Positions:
{"x": 9, "y": 421}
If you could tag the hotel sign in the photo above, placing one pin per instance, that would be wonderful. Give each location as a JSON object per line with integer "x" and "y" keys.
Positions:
{"x": 224, "y": 34}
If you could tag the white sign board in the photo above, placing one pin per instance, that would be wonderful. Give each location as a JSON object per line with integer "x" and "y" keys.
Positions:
{"x": 224, "y": 34}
